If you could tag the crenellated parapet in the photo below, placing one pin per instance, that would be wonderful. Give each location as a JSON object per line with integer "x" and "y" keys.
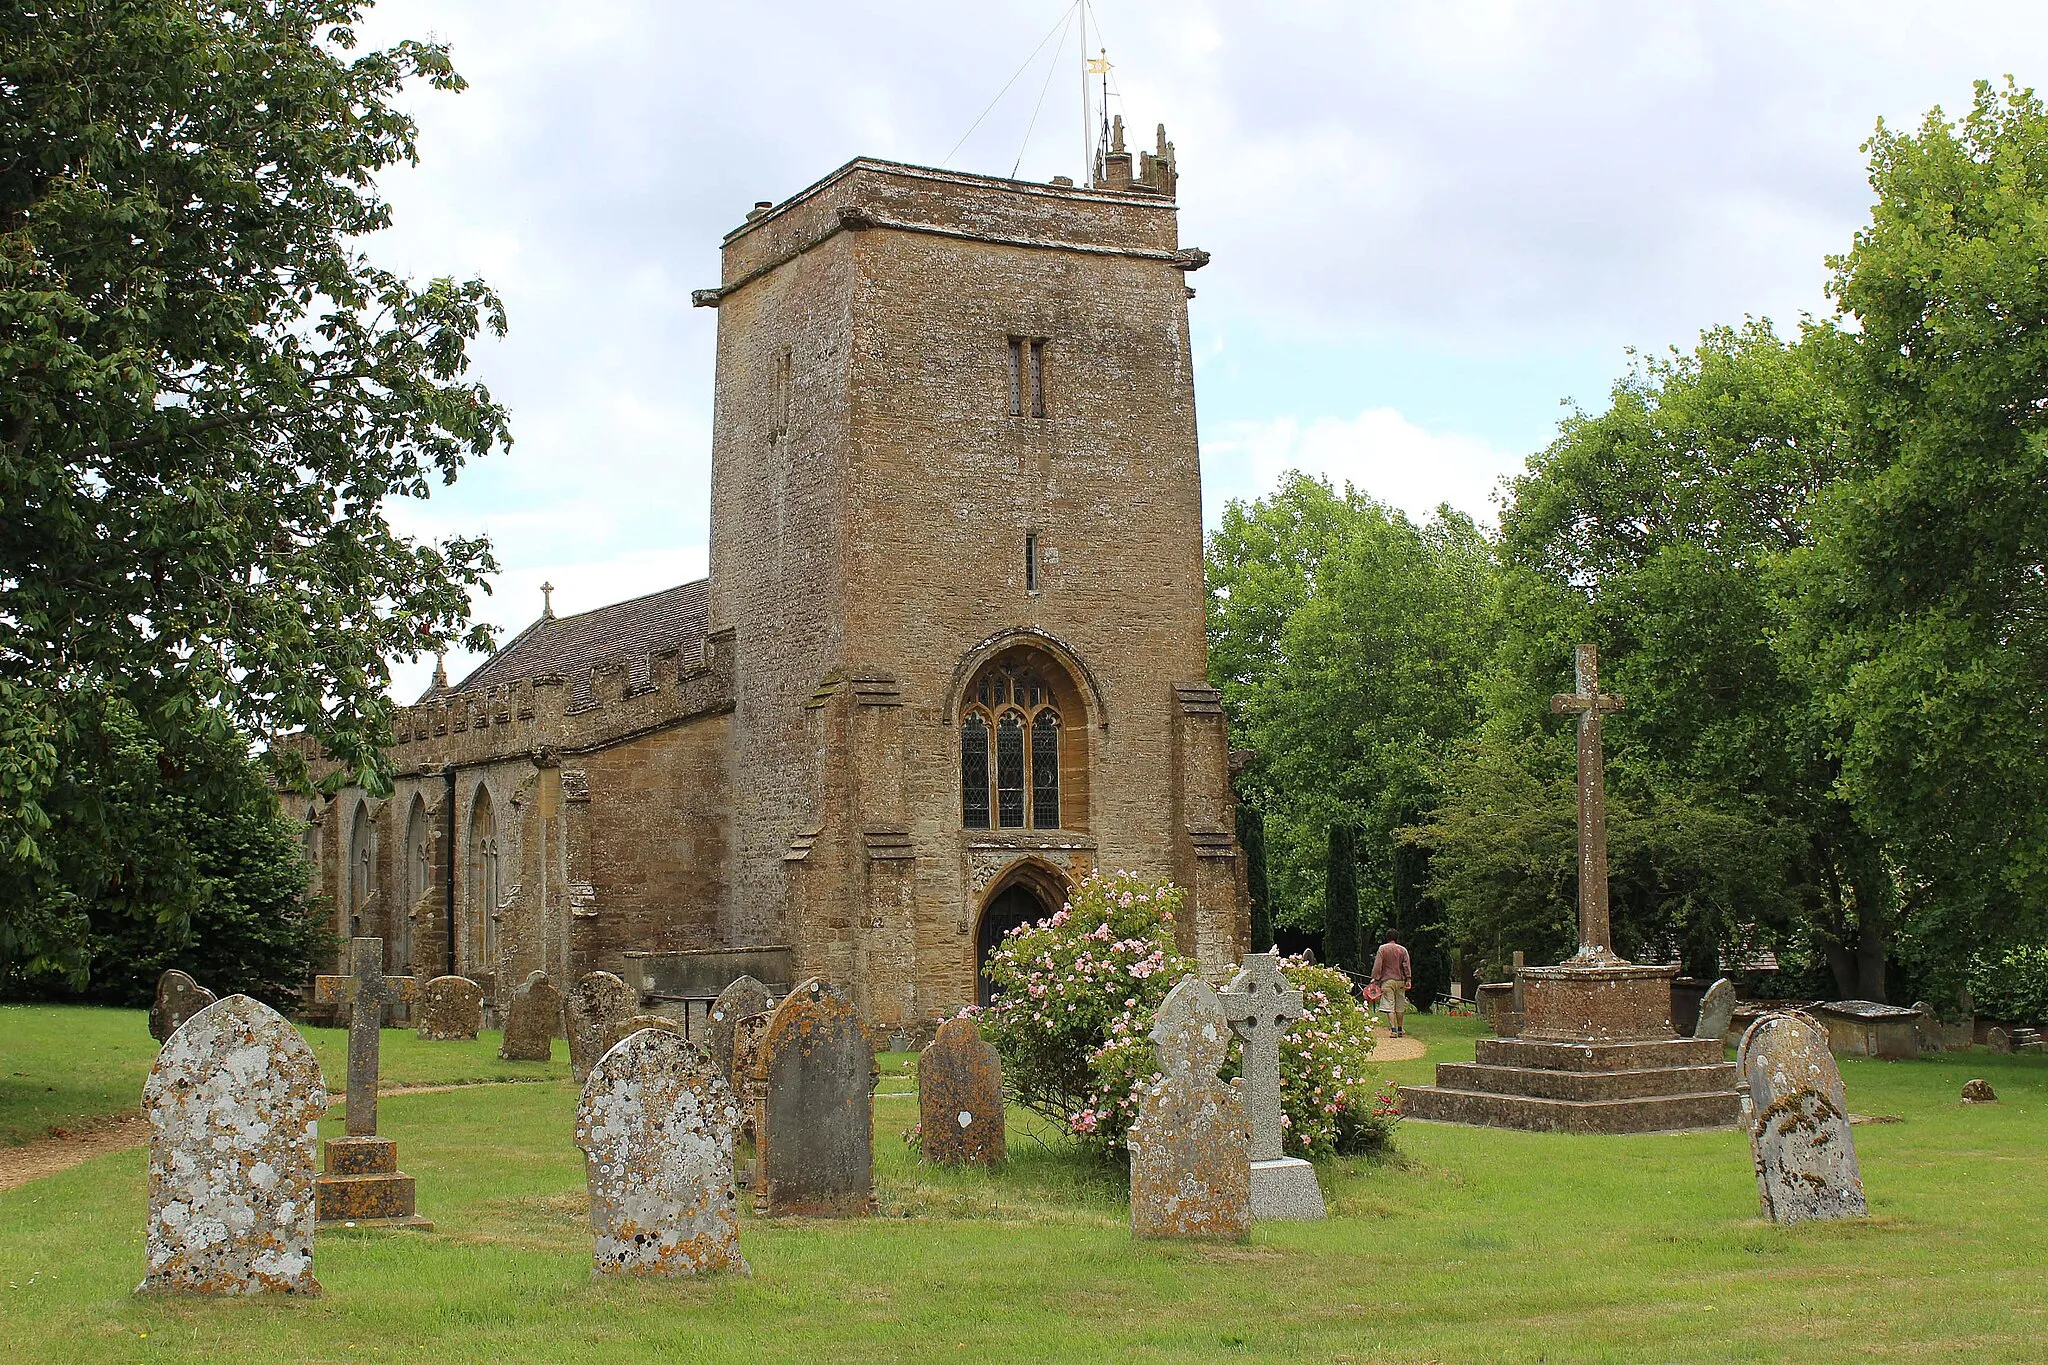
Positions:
{"x": 549, "y": 711}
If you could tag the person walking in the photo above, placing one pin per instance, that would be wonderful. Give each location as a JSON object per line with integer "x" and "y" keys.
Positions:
{"x": 1391, "y": 972}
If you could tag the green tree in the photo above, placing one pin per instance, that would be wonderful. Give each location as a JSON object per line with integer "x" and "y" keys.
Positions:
{"x": 1340, "y": 901}
{"x": 1920, "y": 615}
{"x": 211, "y": 393}
{"x": 1251, "y": 837}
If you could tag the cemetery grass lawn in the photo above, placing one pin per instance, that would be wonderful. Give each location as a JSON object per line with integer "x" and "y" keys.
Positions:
{"x": 1472, "y": 1245}
{"x": 63, "y": 1065}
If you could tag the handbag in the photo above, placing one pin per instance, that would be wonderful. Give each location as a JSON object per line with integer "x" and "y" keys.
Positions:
{"x": 1372, "y": 992}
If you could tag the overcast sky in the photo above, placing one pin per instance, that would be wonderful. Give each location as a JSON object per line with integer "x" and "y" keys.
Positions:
{"x": 1432, "y": 222}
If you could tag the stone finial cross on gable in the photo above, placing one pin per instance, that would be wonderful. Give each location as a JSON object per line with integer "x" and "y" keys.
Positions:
{"x": 1596, "y": 937}
{"x": 1260, "y": 1005}
{"x": 1191, "y": 1033}
{"x": 365, "y": 990}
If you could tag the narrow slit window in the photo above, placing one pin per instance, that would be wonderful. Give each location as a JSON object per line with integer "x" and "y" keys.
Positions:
{"x": 974, "y": 773}
{"x": 1031, "y": 561}
{"x": 1038, "y": 379}
{"x": 1016, "y": 376}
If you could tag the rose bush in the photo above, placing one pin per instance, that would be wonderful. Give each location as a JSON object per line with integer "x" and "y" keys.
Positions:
{"x": 1077, "y": 993}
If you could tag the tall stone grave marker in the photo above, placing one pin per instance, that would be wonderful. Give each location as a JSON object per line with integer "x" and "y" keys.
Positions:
{"x": 960, "y": 1098}
{"x": 656, "y": 1125}
{"x": 597, "y": 1002}
{"x": 1191, "y": 1147}
{"x": 737, "y": 1001}
{"x": 234, "y": 1102}
{"x": 362, "y": 1183}
{"x": 1717, "y": 1011}
{"x": 1260, "y": 1005}
{"x": 1805, "y": 1153}
{"x": 815, "y": 1143}
{"x": 178, "y": 998}
{"x": 451, "y": 1010}
{"x": 531, "y": 1023}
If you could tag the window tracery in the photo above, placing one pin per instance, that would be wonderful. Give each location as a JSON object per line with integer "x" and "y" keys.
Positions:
{"x": 1013, "y": 706}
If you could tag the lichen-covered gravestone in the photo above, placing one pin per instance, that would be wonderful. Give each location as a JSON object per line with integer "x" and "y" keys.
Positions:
{"x": 1717, "y": 1010}
{"x": 592, "y": 1007}
{"x": 178, "y": 998}
{"x": 1979, "y": 1092}
{"x": 1260, "y": 1003}
{"x": 234, "y": 1103}
{"x": 450, "y": 1010}
{"x": 531, "y": 1022}
{"x": 960, "y": 1098}
{"x": 661, "y": 1023}
{"x": 1191, "y": 1146}
{"x": 656, "y": 1125}
{"x": 1998, "y": 1040}
{"x": 742, "y": 999}
{"x": 815, "y": 1144}
{"x": 1805, "y": 1153}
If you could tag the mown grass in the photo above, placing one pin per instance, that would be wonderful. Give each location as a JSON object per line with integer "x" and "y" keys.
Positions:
{"x": 1472, "y": 1245}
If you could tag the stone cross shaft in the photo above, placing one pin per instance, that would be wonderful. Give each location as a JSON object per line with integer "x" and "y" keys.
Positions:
{"x": 1596, "y": 937}
{"x": 1259, "y": 1005}
{"x": 365, "y": 990}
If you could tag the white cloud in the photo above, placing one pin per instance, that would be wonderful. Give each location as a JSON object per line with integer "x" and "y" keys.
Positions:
{"x": 1379, "y": 452}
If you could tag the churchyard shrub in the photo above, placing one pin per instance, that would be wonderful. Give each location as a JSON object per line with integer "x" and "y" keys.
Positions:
{"x": 1076, "y": 995}
{"x": 2012, "y": 985}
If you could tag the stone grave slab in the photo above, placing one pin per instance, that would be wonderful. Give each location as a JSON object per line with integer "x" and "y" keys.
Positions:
{"x": 656, "y": 1125}
{"x": 450, "y": 1010}
{"x": 1805, "y": 1153}
{"x": 234, "y": 1102}
{"x": 1191, "y": 1144}
{"x": 1260, "y": 1005}
{"x": 1717, "y": 1011}
{"x": 737, "y": 1001}
{"x": 590, "y": 1009}
{"x": 178, "y": 998}
{"x": 960, "y": 1098}
{"x": 531, "y": 1023}
{"x": 815, "y": 1140}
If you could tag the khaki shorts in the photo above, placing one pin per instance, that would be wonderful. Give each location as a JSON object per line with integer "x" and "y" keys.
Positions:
{"x": 1394, "y": 997}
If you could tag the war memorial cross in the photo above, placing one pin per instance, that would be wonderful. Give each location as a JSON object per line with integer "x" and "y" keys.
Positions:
{"x": 365, "y": 990}
{"x": 1259, "y": 1006}
{"x": 1596, "y": 937}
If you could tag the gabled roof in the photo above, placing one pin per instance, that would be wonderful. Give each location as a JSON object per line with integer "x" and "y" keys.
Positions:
{"x": 673, "y": 619}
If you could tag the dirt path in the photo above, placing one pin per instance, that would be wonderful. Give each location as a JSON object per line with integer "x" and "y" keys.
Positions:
{"x": 1402, "y": 1049}
{"x": 91, "y": 1138}
{"x": 67, "y": 1147}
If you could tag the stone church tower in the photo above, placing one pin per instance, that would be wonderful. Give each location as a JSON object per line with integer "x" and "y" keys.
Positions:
{"x": 951, "y": 654}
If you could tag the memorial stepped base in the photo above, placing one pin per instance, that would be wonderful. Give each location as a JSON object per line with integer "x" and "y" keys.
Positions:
{"x": 1575, "y": 1087}
{"x": 363, "y": 1187}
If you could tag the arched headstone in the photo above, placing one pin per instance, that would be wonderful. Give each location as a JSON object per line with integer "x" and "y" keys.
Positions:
{"x": 1717, "y": 1011}
{"x": 450, "y": 1010}
{"x": 1191, "y": 1145}
{"x": 656, "y": 1126}
{"x": 1804, "y": 1151}
{"x": 960, "y": 1098}
{"x": 234, "y": 1102}
{"x": 816, "y": 1141}
{"x": 531, "y": 1023}
{"x": 178, "y": 998}
{"x": 661, "y": 1023}
{"x": 737, "y": 1001}
{"x": 592, "y": 1006}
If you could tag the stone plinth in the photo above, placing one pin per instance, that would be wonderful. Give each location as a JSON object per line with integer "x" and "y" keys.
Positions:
{"x": 363, "y": 1186}
{"x": 1285, "y": 1188}
{"x": 1623, "y": 1071}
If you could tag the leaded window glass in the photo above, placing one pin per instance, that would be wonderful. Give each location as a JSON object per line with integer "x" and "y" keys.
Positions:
{"x": 1010, "y": 770}
{"x": 1045, "y": 770}
{"x": 974, "y": 772}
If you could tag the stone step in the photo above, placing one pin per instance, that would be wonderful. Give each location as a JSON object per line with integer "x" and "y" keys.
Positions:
{"x": 1539, "y": 1083}
{"x": 360, "y": 1198}
{"x": 1599, "y": 1057}
{"x": 362, "y": 1156}
{"x": 1649, "y": 1114}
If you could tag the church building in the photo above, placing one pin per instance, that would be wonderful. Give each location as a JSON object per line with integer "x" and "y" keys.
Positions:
{"x": 950, "y": 658}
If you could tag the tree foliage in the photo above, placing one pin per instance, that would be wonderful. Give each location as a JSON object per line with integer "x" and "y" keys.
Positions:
{"x": 211, "y": 393}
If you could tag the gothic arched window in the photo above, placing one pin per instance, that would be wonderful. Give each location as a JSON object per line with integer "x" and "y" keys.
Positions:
{"x": 419, "y": 855}
{"x": 362, "y": 868}
{"x": 484, "y": 890}
{"x": 1021, "y": 787}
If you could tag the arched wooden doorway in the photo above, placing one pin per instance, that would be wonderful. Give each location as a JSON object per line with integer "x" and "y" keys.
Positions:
{"x": 1028, "y": 895}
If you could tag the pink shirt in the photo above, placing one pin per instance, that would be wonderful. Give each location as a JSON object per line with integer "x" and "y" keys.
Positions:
{"x": 1391, "y": 963}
